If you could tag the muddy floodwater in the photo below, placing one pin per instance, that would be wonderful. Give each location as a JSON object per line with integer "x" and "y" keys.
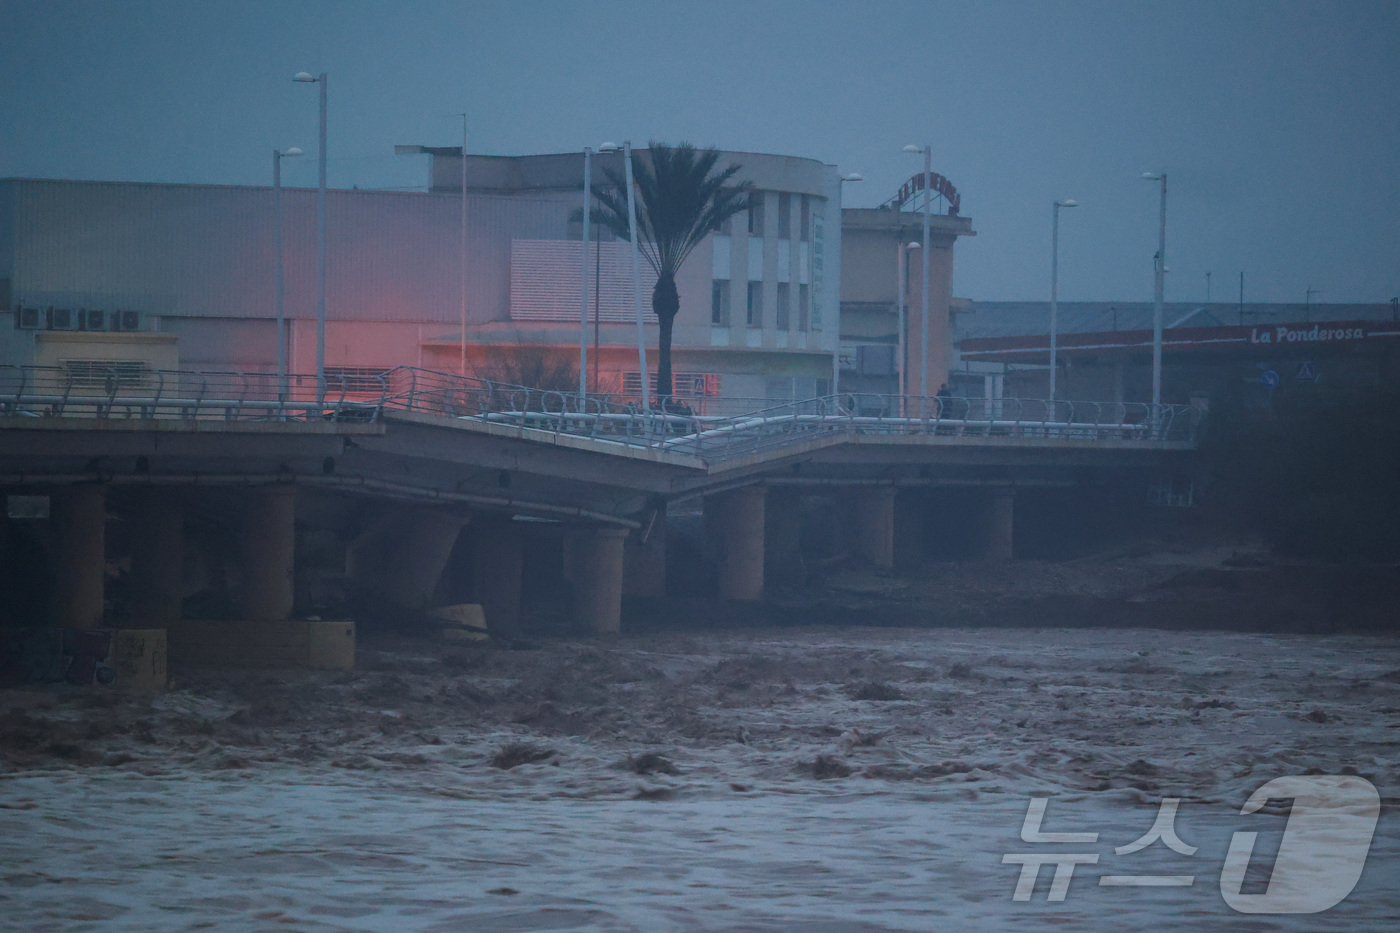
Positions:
{"x": 814, "y": 779}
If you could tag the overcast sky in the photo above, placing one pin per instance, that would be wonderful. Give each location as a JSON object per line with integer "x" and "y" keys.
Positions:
{"x": 1277, "y": 122}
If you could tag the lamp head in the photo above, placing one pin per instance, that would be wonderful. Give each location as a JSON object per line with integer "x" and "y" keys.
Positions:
{"x": 914, "y": 244}
{"x": 294, "y": 151}
{"x": 854, "y": 176}
{"x": 609, "y": 147}
{"x": 1068, "y": 202}
{"x": 913, "y": 148}
{"x": 1154, "y": 176}
{"x": 305, "y": 77}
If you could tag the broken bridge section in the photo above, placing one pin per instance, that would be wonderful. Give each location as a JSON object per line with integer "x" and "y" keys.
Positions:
{"x": 243, "y": 497}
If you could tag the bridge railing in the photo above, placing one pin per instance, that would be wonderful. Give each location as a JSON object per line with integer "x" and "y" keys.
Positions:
{"x": 121, "y": 391}
{"x": 117, "y": 390}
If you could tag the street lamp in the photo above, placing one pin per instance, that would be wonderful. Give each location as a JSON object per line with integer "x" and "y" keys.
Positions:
{"x": 1055, "y": 287}
{"x": 1159, "y": 267}
{"x": 304, "y": 77}
{"x": 277, "y": 156}
{"x": 636, "y": 267}
{"x": 901, "y": 270}
{"x": 928, "y": 203}
{"x": 836, "y": 356}
{"x": 583, "y": 299}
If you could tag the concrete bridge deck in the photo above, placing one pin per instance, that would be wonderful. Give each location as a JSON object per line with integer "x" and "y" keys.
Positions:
{"x": 429, "y": 454}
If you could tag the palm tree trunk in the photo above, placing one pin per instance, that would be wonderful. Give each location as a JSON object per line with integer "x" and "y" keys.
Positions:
{"x": 665, "y": 302}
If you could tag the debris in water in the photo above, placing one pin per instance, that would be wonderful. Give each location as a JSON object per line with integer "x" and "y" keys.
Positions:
{"x": 518, "y": 753}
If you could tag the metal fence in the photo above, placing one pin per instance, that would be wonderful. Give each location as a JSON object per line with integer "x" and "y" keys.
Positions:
{"x": 751, "y": 424}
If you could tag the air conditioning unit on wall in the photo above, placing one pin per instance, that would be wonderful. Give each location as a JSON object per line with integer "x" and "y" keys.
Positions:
{"x": 92, "y": 319}
{"x": 29, "y": 318}
{"x": 61, "y": 319}
{"x": 125, "y": 320}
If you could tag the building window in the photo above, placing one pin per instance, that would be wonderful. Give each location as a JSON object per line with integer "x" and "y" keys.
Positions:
{"x": 805, "y": 232}
{"x": 719, "y": 304}
{"x": 755, "y": 309}
{"x": 756, "y": 214}
{"x": 685, "y": 385}
{"x": 781, "y": 313}
{"x": 357, "y": 379}
{"x": 784, "y": 216}
{"x": 107, "y": 374}
{"x": 804, "y": 306}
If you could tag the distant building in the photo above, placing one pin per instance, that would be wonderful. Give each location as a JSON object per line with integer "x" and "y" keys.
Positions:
{"x": 166, "y": 276}
{"x": 871, "y": 359}
{"x": 1104, "y": 350}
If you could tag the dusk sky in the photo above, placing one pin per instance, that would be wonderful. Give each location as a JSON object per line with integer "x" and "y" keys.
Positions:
{"x": 1277, "y": 122}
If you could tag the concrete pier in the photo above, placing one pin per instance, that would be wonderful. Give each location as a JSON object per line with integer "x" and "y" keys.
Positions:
{"x": 498, "y": 561}
{"x": 266, "y": 548}
{"x": 644, "y": 558}
{"x": 414, "y": 548}
{"x": 998, "y": 531}
{"x": 910, "y": 515}
{"x": 738, "y": 517}
{"x": 782, "y": 535}
{"x": 78, "y": 516}
{"x": 597, "y": 555}
{"x": 870, "y": 529}
{"x": 157, "y": 558}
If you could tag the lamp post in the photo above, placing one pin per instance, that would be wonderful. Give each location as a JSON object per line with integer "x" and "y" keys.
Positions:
{"x": 583, "y": 297}
{"x": 636, "y": 268}
{"x": 1160, "y": 266}
{"x": 463, "y": 258}
{"x": 901, "y": 270}
{"x": 277, "y": 156}
{"x": 304, "y": 77}
{"x": 1055, "y": 288}
{"x": 836, "y": 356}
{"x": 923, "y": 326}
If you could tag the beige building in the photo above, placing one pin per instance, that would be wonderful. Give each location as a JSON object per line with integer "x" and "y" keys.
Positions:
{"x": 874, "y": 361}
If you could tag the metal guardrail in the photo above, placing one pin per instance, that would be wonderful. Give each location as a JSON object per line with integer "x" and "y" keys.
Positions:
{"x": 56, "y": 392}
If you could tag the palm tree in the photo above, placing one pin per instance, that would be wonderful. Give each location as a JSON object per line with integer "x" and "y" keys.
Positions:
{"x": 679, "y": 203}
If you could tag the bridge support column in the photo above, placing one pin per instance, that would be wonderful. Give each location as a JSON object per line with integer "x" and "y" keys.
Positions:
{"x": 644, "y": 561}
{"x": 498, "y": 561}
{"x": 597, "y": 558}
{"x": 78, "y": 516}
{"x": 998, "y": 530}
{"x": 738, "y": 516}
{"x": 870, "y": 529}
{"x": 408, "y": 555}
{"x": 782, "y": 534}
{"x": 267, "y": 546}
{"x": 910, "y": 514}
{"x": 157, "y": 559}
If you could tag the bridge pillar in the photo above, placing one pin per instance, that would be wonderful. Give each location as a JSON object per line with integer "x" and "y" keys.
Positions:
{"x": 266, "y": 548}
{"x": 870, "y": 524}
{"x": 782, "y": 534}
{"x": 157, "y": 559}
{"x": 498, "y": 562}
{"x": 644, "y": 561}
{"x": 910, "y": 514}
{"x": 739, "y": 519}
{"x": 406, "y": 557}
{"x": 997, "y": 531}
{"x": 596, "y": 568}
{"x": 78, "y": 516}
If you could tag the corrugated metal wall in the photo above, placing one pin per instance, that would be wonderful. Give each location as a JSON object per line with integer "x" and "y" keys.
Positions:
{"x": 205, "y": 251}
